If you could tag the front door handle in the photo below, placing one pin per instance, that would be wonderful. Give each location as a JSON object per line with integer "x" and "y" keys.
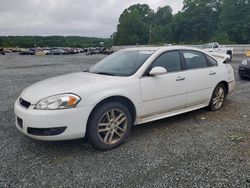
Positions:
{"x": 212, "y": 73}
{"x": 180, "y": 78}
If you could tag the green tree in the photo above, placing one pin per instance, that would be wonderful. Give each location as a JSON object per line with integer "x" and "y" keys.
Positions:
{"x": 161, "y": 26}
{"x": 215, "y": 4}
{"x": 52, "y": 41}
{"x": 197, "y": 22}
{"x": 134, "y": 25}
{"x": 235, "y": 20}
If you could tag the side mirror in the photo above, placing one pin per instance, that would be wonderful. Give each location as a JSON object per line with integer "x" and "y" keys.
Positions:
{"x": 156, "y": 71}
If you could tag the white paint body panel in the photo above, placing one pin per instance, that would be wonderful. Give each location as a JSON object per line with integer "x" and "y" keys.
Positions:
{"x": 153, "y": 97}
{"x": 162, "y": 93}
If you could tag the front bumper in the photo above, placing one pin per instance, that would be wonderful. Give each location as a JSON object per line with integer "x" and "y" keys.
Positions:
{"x": 244, "y": 71}
{"x": 74, "y": 119}
{"x": 231, "y": 86}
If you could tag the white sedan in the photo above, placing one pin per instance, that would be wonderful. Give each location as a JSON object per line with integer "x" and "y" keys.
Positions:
{"x": 129, "y": 87}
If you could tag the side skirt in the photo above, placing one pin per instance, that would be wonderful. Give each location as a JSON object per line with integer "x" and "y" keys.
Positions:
{"x": 140, "y": 120}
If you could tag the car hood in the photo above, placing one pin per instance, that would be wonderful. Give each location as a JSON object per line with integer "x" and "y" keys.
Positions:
{"x": 62, "y": 84}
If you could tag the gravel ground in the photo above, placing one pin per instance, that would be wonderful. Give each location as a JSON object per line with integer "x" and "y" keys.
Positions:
{"x": 196, "y": 149}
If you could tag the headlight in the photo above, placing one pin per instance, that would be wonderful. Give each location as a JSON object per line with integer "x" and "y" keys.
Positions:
{"x": 55, "y": 102}
{"x": 244, "y": 62}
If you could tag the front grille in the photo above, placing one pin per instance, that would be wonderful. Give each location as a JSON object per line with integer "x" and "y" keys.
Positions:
{"x": 241, "y": 71}
{"x": 247, "y": 71}
{"x": 244, "y": 72}
{"x": 24, "y": 103}
{"x": 19, "y": 122}
{"x": 46, "y": 131}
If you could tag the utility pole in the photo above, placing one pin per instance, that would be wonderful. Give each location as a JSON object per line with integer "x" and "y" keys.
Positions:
{"x": 150, "y": 36}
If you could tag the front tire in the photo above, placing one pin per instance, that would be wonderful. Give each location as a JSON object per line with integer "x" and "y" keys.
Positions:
{"x": 109, "y": 125}
{"x": 217, "y": 98}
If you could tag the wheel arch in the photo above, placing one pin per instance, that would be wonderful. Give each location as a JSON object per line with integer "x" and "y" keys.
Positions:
{"x": 225, "y": 84}
{"x": 118, "y": 98}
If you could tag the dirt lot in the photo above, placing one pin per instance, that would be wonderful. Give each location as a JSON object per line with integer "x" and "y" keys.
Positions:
{"x": 197, "y": 149}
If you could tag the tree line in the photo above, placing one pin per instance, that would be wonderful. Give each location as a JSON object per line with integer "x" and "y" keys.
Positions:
{"x": 52, "y": 41}
{"x": 200, "y": 21}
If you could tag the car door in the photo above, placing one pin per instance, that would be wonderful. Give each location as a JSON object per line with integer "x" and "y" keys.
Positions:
{"x": 167, "y": 92}
{"x": 200, "y": 77}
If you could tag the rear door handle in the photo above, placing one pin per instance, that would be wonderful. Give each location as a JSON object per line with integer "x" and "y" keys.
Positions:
{"x": 180, "y": 78}
{"x": 212, "y": 73}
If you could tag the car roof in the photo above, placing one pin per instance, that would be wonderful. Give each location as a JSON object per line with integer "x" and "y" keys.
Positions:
{"x": 162, "y": 48}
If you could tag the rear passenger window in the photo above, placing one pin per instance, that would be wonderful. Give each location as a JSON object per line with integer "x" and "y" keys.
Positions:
{"x": 195, "y": 60}
{"x": 211, "y": 61}
{"x": 171, "y": 61}
{"x": 216, "y": 46}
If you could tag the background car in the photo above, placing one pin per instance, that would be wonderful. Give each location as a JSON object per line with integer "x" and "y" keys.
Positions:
{"x": 244, "y": 69}
{"x": 57, "y": 51}
{"x": 27, "y": 52}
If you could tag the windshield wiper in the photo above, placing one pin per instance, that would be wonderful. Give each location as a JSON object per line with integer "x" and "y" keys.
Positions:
{"x": 104, "y": 73}
{"x": 85, "y": 70}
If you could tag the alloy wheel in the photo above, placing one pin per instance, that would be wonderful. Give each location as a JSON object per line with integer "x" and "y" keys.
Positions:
{"x": 218, "y": 98}
{"x": 112, "y": 126}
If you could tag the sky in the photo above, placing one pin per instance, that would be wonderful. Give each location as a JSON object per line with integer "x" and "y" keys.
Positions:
{"x": 96, "y": 18}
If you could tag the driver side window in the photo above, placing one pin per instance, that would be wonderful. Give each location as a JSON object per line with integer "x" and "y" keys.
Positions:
{"x": 171, "y": 61}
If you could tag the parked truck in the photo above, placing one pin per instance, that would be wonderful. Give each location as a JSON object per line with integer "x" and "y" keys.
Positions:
{"x": 214, "y": 47}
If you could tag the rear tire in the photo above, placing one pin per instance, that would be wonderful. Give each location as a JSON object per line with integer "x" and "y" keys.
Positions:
{"x": 231, "y": 55}
{"x": 218, "y": 98}
{"x": 109, "y": 125}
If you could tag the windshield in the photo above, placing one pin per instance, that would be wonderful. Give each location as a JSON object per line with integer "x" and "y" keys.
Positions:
{"x": 210, "y": 45}
{"x": 122, "y": 63}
